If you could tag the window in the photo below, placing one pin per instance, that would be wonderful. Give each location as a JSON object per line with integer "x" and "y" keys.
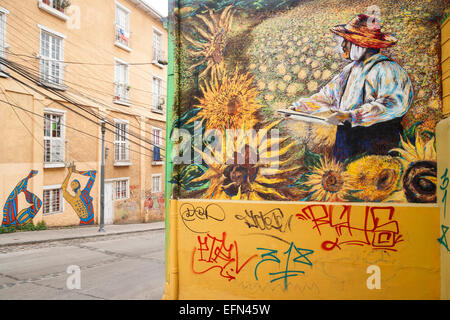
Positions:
{"x": 121, "y": 142}
{"x": 121, "y": 86}
{"x": 55, "y": 7}
{"x": 122, "y": 35}
{"x": 157, "y": 99}
{"x": 156, "y": 183}
{"x": 54, "y": 138}
{"x": 51, "y": 56}
{"x": 158, "y": 53}
{"x": 3, "y": 45}
{"x": 53, "y": 202}
{"x": 156, "y": 140}
{"x": 122, "y": 189}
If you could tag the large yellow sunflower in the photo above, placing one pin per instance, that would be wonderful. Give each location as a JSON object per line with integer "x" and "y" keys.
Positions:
{"x": 228, "y": 102}
{"x": 210, "y": 48}
{"x": 328, "y": 181}
{"x": 375, "y": 178}
{"x": 420, "y": 177}
{"x": 249, "y": 180}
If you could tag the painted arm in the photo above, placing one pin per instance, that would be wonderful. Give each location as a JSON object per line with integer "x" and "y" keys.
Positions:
{"x": 390, "y": 94}
{"x": 66, "y": 194}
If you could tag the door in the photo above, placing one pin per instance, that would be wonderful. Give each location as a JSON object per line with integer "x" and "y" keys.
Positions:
{"x": 109, "y": 202}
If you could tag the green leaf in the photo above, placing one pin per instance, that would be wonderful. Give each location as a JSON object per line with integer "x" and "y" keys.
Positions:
{"x": 311, "y": 159}
{"x": 410, "y": 134}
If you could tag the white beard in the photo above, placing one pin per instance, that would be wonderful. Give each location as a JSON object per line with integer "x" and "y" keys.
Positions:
{"x": 357, "y": 52}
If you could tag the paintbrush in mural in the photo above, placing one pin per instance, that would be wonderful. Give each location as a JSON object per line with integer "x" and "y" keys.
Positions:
{"x": 296, "y": 115}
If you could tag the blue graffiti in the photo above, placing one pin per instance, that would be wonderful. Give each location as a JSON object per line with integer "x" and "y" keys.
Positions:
{"x": 443, "y": 239}
{"x": 443, "y": 186}
{"x": 271, "y": 255}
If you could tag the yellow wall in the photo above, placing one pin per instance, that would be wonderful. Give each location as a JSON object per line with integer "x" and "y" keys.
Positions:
{"x": 89, "y": 38}
{"x": 217, "y": 238}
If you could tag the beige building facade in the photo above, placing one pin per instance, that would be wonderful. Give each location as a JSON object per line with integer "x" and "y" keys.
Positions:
{"x": 66, "y": 67}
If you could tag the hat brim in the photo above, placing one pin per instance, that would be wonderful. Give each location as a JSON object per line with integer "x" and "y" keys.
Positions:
{"x": 362, "y": 40}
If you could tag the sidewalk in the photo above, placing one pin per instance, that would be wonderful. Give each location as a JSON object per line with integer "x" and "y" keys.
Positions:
{"x": 28, "y": 237}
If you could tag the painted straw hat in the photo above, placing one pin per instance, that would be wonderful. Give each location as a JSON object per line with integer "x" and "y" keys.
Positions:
{"x": 364, "y": 33}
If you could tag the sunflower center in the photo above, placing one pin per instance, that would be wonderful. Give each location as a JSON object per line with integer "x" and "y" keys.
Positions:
{"x": 332, "y": 182}
{"x": 233, "y": 106}
{"x": 386, "y": 179}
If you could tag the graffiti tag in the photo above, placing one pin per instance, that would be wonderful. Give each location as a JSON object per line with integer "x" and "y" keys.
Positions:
{"x": 444, "y": 186}
{"x": 376, "y": 228}
{"x": 189, "y": 213}
{"x": 214, "y": 253}
{"x": 443, "y": 239}
{"x": 273, "y": 219}
{"x": 293, "y": 254}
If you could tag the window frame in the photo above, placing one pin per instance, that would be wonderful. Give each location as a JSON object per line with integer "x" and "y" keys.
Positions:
{"x": 161, "y": 55}
{"x": 157, "y": 145}
{"x": 3, "y": 44}
{"x": 127, "y": 188}
{"x": 42, "y": 76}
{"x": 158, "y": 175}
{"x": 125, "y": 142}
{"x": 62, "y": 138}
{"x": 160, "y": 94}
{"x": 127, "y": 32}
{"x": 117, "y": 84}
{"x": 53, "y": 11}
{"x": 61, "y": 199}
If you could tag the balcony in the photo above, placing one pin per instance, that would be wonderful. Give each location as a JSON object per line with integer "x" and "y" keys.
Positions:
{"x": 121, "y": 93}
{"x": 56, "y": 8}
{"x": 122, "y": 38}
{"x": 158, "y": 57}
{"x": 52, "y": 74}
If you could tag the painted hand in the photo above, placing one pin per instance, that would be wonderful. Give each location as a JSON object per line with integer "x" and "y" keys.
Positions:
{"x": 338, "y": 117}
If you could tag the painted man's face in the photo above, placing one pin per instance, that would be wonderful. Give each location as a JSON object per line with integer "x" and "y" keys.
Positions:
{"x": 346, "y": 48}
{"x": 75, "y": 185}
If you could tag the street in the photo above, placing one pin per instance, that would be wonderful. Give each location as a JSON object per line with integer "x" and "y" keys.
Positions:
{"x": 126, "y": 266}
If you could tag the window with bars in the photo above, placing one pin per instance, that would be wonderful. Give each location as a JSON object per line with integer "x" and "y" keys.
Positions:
{"x": 157, "y": 99}
{"x": 122, "y": 35}
{"x": 121, "y": 86}
{"x": 54, "y": 148}
{"x": 156, "y": 140}
{"x": 122, "y": 189}
{"x": 51, "y": 58}
{"x": 53, "y": 202}
{"x": 121, "y": 143}
{"x": 156, "y": 183}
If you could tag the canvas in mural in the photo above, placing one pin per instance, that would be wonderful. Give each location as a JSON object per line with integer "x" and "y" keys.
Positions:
{"x": 367, "y": 74}
{"x": 14, "y": 216}
{"x": 81, "y": 201}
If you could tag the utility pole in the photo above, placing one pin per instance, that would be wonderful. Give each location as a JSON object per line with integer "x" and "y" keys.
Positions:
{"x": 102, "y": 182}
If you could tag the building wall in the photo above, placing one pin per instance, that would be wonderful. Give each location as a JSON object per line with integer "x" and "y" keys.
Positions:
{"x": 89, "y": 73}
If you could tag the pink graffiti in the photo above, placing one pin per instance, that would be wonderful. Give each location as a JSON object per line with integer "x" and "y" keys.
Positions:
{"x": 213, "y": 253}
{"x": 376, "y": 228}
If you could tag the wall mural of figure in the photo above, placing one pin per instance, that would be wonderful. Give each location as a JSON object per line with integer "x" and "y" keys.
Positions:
{"x": 368, "y": 98}
{"x": 375, "y": 80}
{"x": 81, "y": 202}
{"x": 11, "y": 214}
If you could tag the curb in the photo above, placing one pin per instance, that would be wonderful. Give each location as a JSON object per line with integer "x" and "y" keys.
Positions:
{"x": 105, "y": 234}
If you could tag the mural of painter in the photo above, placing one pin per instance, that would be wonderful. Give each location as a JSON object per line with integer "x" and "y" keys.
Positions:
{"x": 12, "y": 215}
{"x": 81, "y": 201}
{"x": 367, "y": 72}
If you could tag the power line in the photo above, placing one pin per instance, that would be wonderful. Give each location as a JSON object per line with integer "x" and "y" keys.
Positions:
{"x": 65, "y": 125}
{"x": 27, "y": 76}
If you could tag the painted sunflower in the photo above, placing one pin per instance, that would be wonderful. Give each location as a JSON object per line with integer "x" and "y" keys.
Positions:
{"x": 210, "y": 47}
{"x": 328, "y": 181}
{"x": 375, "y": 178}
{"x": 419, "y": 161}
{"x": 249, "y": 179}
{"x": 228, "y": 103}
